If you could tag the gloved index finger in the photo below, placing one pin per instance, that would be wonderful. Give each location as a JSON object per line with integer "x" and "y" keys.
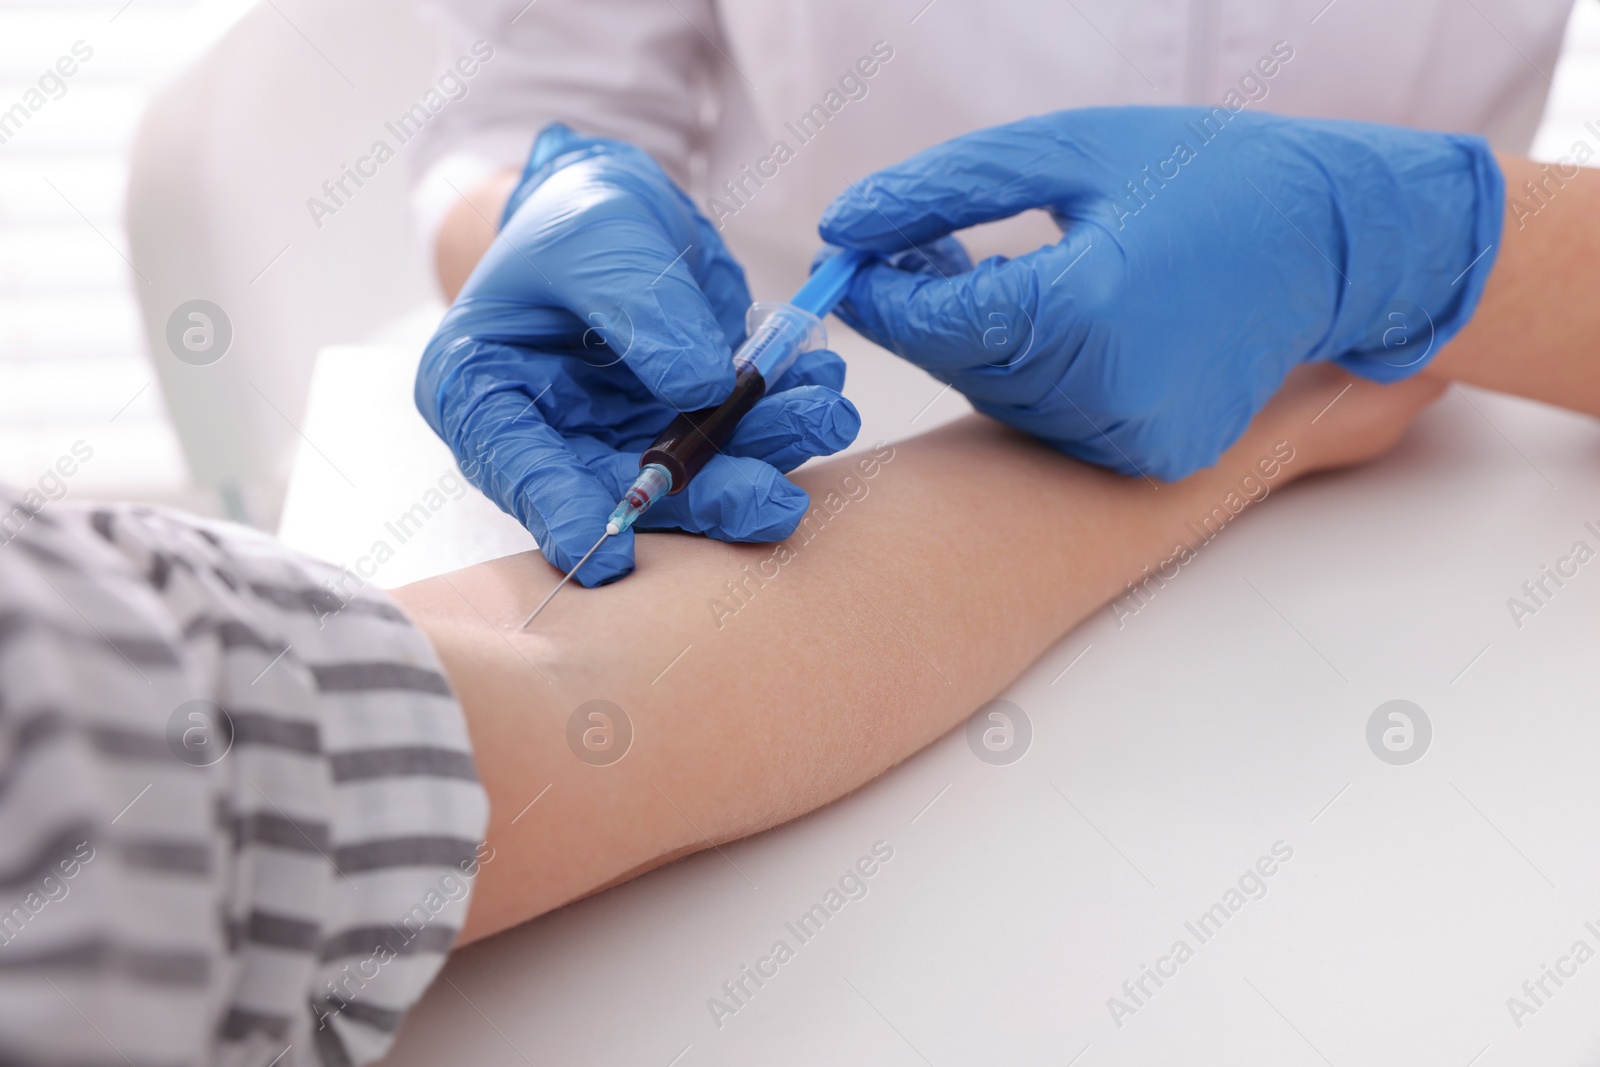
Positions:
{"x": 720, "y": 278}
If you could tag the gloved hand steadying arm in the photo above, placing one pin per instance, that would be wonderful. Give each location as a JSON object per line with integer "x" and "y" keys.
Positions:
{"x": 607, "y": 305}
{"x": 1204, "y": 254}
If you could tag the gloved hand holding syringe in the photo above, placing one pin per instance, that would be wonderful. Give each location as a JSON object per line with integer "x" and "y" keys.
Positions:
{"x": 607, "y": 305}
{"x": 778, "y": 335}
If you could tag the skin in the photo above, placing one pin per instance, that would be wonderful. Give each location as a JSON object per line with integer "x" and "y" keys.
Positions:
{"x": 1538, "y": 305}
{"x": 916, "y": 625}
{"x": 1537, "y": 330}
{"x": 469, "y": 229}
{"x": 910, "y": 612}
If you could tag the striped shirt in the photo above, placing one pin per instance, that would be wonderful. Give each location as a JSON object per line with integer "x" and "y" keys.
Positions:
{"x": 239, "y": 818}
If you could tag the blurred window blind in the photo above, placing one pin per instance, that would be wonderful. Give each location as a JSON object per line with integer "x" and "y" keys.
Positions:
{"x": 72, "y": 357}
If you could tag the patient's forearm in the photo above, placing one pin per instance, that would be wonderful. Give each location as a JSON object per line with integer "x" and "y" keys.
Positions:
{"x": 928, "y": 587}
{"x": 1537, "y": 331}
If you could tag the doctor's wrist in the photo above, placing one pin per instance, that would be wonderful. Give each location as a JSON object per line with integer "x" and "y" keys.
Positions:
{"x": 469, "y": 228}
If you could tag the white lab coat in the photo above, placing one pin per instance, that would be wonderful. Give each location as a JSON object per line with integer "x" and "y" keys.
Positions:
{"x": 711, "y": 88}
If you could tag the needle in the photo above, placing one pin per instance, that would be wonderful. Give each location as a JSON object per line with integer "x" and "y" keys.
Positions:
{"x": 610, "y": 529}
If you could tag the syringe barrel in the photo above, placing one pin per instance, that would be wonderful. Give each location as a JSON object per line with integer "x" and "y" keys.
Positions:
{"x": 694, "y": 436}
{"x": 779, "y": 333}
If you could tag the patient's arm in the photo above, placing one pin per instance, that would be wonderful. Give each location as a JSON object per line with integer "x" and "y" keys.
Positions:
{"x": 970, "y": 552}
{"x": 1538, "y": 328}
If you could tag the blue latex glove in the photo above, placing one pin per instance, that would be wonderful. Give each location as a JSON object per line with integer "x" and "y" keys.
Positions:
{"x": 607, "y": 305}
{"x": 1197, "y": 266}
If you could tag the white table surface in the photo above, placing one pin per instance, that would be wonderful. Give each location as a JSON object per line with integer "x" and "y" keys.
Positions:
{"x": 1173, "y": 753}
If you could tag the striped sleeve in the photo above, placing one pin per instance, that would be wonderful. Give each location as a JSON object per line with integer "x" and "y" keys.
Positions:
{"x": 239, "y": 818}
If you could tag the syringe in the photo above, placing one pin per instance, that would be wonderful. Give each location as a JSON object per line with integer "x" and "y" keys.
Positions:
{"x": 778, "y": 335}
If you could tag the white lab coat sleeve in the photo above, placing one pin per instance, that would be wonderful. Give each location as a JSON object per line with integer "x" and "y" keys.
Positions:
{"x": 630, "y": 69}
